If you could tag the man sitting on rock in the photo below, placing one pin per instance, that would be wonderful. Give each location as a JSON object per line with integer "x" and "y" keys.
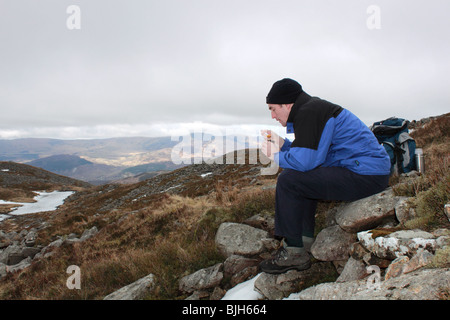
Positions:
{"x": 334, "y": 156}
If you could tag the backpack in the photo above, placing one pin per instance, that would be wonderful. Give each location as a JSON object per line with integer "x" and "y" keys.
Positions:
{"x": 393, "y": 134}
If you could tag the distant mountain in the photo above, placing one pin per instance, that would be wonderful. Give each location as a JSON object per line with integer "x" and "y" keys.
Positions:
{"x": 126, "y": 152}
{"x": 96, "y": 161}
{"x": 78, "y": 168}
{"x": 60, "y": 163}
{"x": 100, "y": 161}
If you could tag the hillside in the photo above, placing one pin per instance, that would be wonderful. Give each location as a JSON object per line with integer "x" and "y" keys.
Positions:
{"x": 166, "y": 225}
{"x": 25, "y": 177}
{"x": 78, "y": 168}
{"x": 59, "y": 163}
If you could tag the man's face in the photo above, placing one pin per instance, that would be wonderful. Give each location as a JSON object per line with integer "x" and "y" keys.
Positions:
{"x": 280, "y": 112}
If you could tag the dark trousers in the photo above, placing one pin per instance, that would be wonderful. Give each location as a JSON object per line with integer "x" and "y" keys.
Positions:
{"x": 297, "y": 194}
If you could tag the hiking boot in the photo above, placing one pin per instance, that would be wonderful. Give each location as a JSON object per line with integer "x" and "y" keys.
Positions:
{"x": 286, "y": 258}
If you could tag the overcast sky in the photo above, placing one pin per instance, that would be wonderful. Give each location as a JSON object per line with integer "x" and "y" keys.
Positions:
{"x": 147, "y": 67}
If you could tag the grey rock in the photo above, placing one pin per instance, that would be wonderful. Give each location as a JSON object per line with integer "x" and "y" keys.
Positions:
{"x": 87, "y": 234}
{"x": 236, "y": 263}
{"x": 403, "y": 264}
{"x": 262, "y": 221}
{"x": 240, "y": 239}
{"x": 353, "y": 270}
{"x": 400, "y": 243}
{"x": 11, "y": 255}
{"x": 134, "y": 291}
{"x": 276, "y": 287}
{"x": 56, "y": 244}
{"x": 403, "y": 212}
{"x": 244, "y": 275}
{"x": 332, "y": 243}
{"x": 279, "y": 286}
{"x": 30, "y": 252}
{"x": 197, "y": 295}
{"x": 30, "y": 238}
{"x": 367, "y": 213}
{"x": 202, "y": 279}
{"x": 24, "y": 263}
{"x": 3, "y": 270}
{"x": 424, "y": 284}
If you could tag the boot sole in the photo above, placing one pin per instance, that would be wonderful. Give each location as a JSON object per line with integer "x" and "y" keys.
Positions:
{"x": 283, "y": 270}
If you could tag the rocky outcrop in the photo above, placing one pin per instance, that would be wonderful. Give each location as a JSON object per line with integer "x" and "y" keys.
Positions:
{"x": 426, "y": 284}
{"x": 18, "y": 250}
{"x": 399, "y": 243}
{"x": 362, "y": 246}
{"x": 365, "y": 263}
{"x": 244, "y": 247}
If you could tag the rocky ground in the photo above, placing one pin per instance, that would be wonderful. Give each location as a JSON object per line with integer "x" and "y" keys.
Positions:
{"x": 372, "y": 259}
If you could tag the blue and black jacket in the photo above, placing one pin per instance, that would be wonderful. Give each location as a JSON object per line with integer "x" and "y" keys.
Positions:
{"x": 328, "y": 135}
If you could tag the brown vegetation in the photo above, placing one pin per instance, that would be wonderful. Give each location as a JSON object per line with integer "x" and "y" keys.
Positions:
{"x": 171, "y": 237}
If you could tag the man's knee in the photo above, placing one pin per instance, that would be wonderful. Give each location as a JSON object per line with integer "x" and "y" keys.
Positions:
{"x": 288, "y": 178}
{"x": 311, "y": 184}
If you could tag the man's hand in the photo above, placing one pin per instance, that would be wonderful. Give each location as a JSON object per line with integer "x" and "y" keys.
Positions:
{"x": 271, "y": 144}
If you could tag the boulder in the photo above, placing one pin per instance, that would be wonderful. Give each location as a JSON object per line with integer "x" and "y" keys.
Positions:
{"x": 240, "y": 239}
{"x": 424, "y": 284}
{"x": 403, "y": 264}
{"x": 278, "y": 286}
{"x": 367, "y": 213}
{"x": 202, "y": 279}
{"x": 399, "y": 243}
{"x": 239, "y": 268}
{"x": 332, "y": 244}
{"x": 353, "y": 270}
{"x": 134, "y": 291}
{"x": 89, "y": 233}
{"x": 25, "y": 263}
{"x": 403, "y": 212}
{"x": 235, "y": 263}
{"x": 11, "y": 255}
{"x": 262, "y": 221}
{"x": 30, "y": 239}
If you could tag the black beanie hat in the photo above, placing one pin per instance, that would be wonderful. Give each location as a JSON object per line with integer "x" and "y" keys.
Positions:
{"x": 284, "y": 91}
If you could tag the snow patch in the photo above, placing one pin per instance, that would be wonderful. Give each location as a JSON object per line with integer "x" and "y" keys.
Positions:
{"x": 205, "y": 174}
{"x": 45, "y": 201}
{"x": 244, "y": 291}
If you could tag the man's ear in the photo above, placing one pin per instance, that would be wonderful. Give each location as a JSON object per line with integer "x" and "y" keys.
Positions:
{"x": 288, "y": 106}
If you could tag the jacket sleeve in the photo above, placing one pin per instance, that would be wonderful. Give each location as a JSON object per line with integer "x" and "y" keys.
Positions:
{"x": 286, "y": 145}
{"x": 305, "y": 159}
